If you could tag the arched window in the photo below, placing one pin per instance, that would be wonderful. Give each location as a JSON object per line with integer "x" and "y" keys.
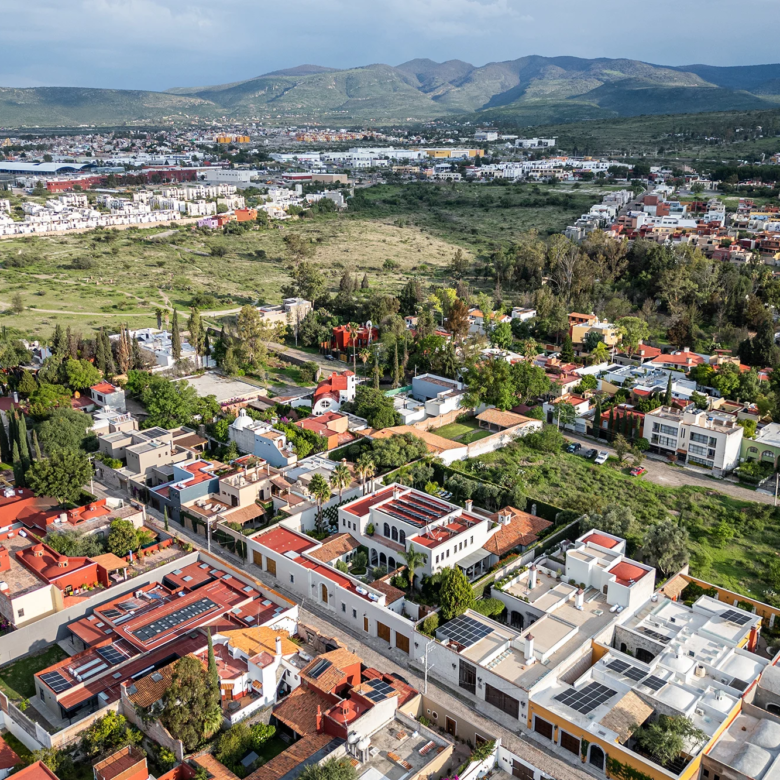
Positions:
{"x": 382, "y": 559}
{"x": 387, "y": 530}
{"x": 395, "y": 534}
{"x": 402, "y": 537}
{"x": 391, "y": 564}
{"x": 768, "y": 455}
{"x": 374, "y": 558}
{"x": 596, "y": 757}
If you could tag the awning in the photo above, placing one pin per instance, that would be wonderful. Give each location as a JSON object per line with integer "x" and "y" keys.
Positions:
{"x": 473, "y": 558}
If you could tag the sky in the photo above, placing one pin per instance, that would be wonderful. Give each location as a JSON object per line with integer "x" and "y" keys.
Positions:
{"x": 159, "y": 44}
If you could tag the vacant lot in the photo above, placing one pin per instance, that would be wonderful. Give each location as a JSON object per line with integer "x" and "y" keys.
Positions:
{"x": 733, "y": 543}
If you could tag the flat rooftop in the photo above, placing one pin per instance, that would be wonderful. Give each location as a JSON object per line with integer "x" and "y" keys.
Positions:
{"x": 223, "y": 388}
{"x": 750, "y": 746}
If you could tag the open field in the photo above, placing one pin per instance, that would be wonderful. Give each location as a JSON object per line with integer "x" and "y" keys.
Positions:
{"x": 733, "y": 543}
{"x": 105, "y": 278}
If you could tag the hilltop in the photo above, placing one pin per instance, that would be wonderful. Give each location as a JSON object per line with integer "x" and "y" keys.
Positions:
{"x": 530, "y": 90}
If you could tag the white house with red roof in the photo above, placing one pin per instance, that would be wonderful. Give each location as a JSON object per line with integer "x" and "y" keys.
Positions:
{"x": 337, "y": 389}
{"x": 684, "y": 360}
{"x": 104, "y": 394}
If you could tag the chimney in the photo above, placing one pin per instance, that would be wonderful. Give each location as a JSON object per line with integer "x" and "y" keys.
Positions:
{"x": 528, "y": 652}
{"x": 319, "y": 719}
{"x": 532, "y": 578}
{"x": 5, "y": 561}
{"x": 752, "y": 640}
{"x": 38, "y": 550}
{"x": 396, "y": 492}
{"x": 579, "y": 598}
{"x": 469, "y": 504}
{"x": 278, "y": 647}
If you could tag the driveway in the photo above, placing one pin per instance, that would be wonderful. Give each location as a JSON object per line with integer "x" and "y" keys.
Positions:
{"x": 662, "y": 473}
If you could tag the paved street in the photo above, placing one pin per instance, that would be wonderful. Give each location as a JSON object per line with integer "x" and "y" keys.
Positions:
{"x": 663, "y": 473}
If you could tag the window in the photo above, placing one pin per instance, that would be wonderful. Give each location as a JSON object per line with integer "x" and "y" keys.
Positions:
{"x": 471, "y": 541}
{"x": 292, "y": 578}
{"x": 20, "y": 613}
{"x": 448, "y": 553}
{"x": 695, "y": 449}
{"x": 402, "y": 537}
{"x": 467, "y": 678}
{"x": 343, "y": 607}
{"x": 354, "y": 614}
{"x": 499, "y": 699}
{"x": 42, "y": 694}
{"x": 387, "y": 530}
{"x": 437, "y": 559}
{"x": 705, "y": 772}
{"x": 395, "y": 534}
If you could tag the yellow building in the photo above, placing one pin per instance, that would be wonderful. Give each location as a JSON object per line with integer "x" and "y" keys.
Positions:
{"x": 223, "y": 139}
{"x": 242, "y": 139}
{"x": 609, "y": 332}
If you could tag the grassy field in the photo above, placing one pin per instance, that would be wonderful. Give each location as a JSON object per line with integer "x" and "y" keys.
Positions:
{"x": 733, "y": 543}
{"x": 463, "y": 432}
{"x": 392, "y": 235}
{"x": 16, "y": 679}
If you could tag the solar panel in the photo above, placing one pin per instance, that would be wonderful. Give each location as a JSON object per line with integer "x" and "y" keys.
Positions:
{"x": 56, "y": 682}
{"x": 586, "y": 699}
{"x": 151, "y": 630}
{"x": 656, "y": 683}
{"x": 464, "y": 630}
{"x": 112, "y": 655}
{"x": 618, "y": 666}
{"x": 655, "y": 635}
{"x": 381, "y": 690}
{"x": 635, "y": 674}
{"x": 111, "y": 613}
{"x": 736, "y": 617}
{"x": 318, "y": 668}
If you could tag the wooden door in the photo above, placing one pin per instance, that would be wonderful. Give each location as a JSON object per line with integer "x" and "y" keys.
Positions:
{"x": 570, "y": 743}
{"x": 270, "y": 565}
{"x": 257, "y": 559}
{"x": 543, "y": 727}
{"x": 365, "y": 624}
{"x": 451, "y": 726}
{"x": 522, "y": 771}
{"x": 402, "y": 642}
{"x": 324, "y": 591}
{"x": 383, "y": 631}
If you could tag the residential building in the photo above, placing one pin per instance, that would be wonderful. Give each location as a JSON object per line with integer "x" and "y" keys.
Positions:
{"x": 683, "y": 361}
{"x": 337, "y": 389}
{"x": 290, "y": 311}
{"x": 332, "y": 426}
{"x": 439, "y": 394}
{"x": 764, "y": 446}
{"x": 343, "y": 339}
{"x": 260, "y": 438}
{"x": 709, "y": 440}
{"x": 109, "y": 396}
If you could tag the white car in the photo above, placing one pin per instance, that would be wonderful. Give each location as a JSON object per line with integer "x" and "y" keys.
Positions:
{"x": 601, "y": 458}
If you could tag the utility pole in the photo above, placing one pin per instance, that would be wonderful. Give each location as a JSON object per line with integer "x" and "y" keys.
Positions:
{"x": 425, "y": 659}
{"x": 777, "y": 481}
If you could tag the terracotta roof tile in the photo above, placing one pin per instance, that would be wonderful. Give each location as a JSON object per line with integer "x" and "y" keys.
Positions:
{"x": 523, "y": 529}
{"x": 299, "y": 710}
{"x": 295, "y": 755}
{"x": 334, "y": 547}
{"x": 217, "y": 770}
{"x": 151, "y": 688}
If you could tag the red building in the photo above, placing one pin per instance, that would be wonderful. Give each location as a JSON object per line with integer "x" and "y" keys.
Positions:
{"x": 64, "y": 572}
{"x": 343, "y": 340}
{"x": 246, "y": 215}
{"x": 85, "y": 182}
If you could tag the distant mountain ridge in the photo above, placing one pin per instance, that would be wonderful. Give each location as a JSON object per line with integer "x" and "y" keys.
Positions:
{"x": 533, "y": 89}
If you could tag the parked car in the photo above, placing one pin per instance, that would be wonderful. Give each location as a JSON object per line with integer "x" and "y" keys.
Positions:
{"x": 329, "y": 357}
{"x": 574, "y": 447}
{"x": 590, "y": 453}
{"x": 601, "y": 458}
{"x": 638, "y": 471}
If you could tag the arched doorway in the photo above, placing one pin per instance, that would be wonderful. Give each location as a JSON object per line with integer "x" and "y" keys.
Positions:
{"x": 374, "y": 558}
{"x": 382, "y": 559}
{"x": 391, "y": 563}
{"x": 596, "y": 757}
{"x": 623, "y": 647}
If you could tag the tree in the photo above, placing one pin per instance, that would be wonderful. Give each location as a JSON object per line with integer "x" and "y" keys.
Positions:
{"x": 331, "y": 769}
{"x": 307, "y": 283}
{"x": 122, "y": 538}
{"x": 668, "y": 737}
{"x": 17, "y": 304}
{"x": 80, "y": 374}
{"x": 47, "y": 398}
{"x": 622, "y": 446}
{"x": 299, "y": 247}
{"x": 341, "y": 479}
{"x": 617, "y": 520}
{"x": 6, "y": 453}
{"x": 549, "y": 439}
{"x": 396, "y": 367}
{"x": 699, "y": 401}
{"x": 169, "y": 404}
{"x": 253, "y": 333}
{"x": 564, "y": 414}
{"x": 195, "y": 327}
{"x": 175, "y": 337}
{"x": 529, "y": 380}
{"x": 633, "y": 331}
{"x": 108, "y": 734}
{"x": 666, "y": 544}
{"x": 458, "y": 320}
{"x": 456, "y": 594}
{"x": 490, "y": 383}
{"x": 67, "y": 429}
{"x": 27, "y": 384}
{"x": 18, "y": 466}
{"x": 600, "y": 353}
{"x": 398, "y": 450}
{"x": 365, "y": 468}
{"x": 414, "y": 559}
{"x": 501, "y": 336}
{"x": 189, "y": 701}
{"x": 668, "y": 394}
{"x": 320, "y": 491}
{"x": 567, "y": 350}
{"x": 213, "y": 670}
{"x": 375, "y": 407}
{"x": 62, "y": 475}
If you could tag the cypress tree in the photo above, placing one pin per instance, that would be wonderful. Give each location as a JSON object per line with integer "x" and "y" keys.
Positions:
{"x": 668, "y": 396}
{"x": 376, "y": 374}
{"x": 36, "y": 446}
{"x": 100, "y": 353}
{"x": 406, "y": 351}
{"x": 165, "y": 516}
{"x": 24, "y": 448}
{"x": 213, "y": 671}
{"x": 110, "y": 370}
{"x": 59, "y": 342}
{"x": 5, "y": 448}
{"x": 175, "y": 336}
{"x": 13, "y": 430}
{"x": 612, "y": 423}
{"x": 396, "y": 370}
{"x": 18, "y": 467}
{"x": 597, "y": 420}
{"x": 206, "y": 345}
{"x": 364, "y": 283}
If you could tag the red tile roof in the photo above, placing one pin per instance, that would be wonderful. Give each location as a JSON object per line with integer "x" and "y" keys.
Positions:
{"x": 49, "y": 565}
{"x": 281, "y": 540}
{"x": 627, "y": 573}
{"x": 36, "y": 771}
{"x": 104, "y": 387}
{"x": 333, "y": 384}
{"x": 523, "y": 529}
{"x": 8, "y": 756}
{"x": 601, "y": 540}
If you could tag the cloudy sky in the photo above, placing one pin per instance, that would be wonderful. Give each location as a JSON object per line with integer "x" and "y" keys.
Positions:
{"x": 157, "y": 44}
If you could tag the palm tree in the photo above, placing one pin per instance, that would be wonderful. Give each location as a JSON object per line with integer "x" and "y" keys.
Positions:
{"x": 212, "y": 721}
{"x": 352, "y": 329}
{"x": 341, "y": 478}
{"x": 600, "y": 353}
{"x": 320, "y": 491}
{"x": 365, "y": 469}
{"x": 414, "y": 559}
{"x": 364, "y": 356}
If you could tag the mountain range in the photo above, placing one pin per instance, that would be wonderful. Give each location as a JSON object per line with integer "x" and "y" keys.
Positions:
{"x": 530, "y": 90}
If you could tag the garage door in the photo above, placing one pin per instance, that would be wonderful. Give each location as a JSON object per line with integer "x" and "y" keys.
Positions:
{"x": 257, "y": 558}
{"x": 570, "y": 743}
{"x": 383, "y": 631}
{"x": 270, "y": 565}
{"x": 402, "y": 642}
{"x": 522, "y": 771}
{"x": 543, "y": 727}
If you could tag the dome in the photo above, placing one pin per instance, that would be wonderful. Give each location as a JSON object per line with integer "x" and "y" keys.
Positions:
{"x": 767, "y": 735}
{"x": 752, "y": 760}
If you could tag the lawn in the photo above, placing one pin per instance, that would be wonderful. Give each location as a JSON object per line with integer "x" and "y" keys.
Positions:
{"x": 733, "y": 543}
{"x": 455, "y": 430}
{"x": 16, "y": 679}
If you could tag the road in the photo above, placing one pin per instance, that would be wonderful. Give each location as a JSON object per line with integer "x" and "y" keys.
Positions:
{"x": 663, "y": 473}
{"x": 376, "y": 653}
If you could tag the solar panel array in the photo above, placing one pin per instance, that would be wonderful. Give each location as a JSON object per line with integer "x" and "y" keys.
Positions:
{"x": 655, "y": 635}
{"x": 381, "y": 690}
{"x": 317, "y": 670}
{"x": 56, "y": 682}
{"x": 112, "y": 655}
{"x": 735, "y": 617}
{"x": 464, "y": 630}
{"x": 586, "y": 699}
{"x": 656, "y": 683}
{"x": 151, "y": 630}
{"x": 632, "y": 672}
{"x": 111, "y": 613}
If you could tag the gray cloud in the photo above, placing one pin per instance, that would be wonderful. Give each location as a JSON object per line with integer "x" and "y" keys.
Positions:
{"x": 156, "y": 44}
